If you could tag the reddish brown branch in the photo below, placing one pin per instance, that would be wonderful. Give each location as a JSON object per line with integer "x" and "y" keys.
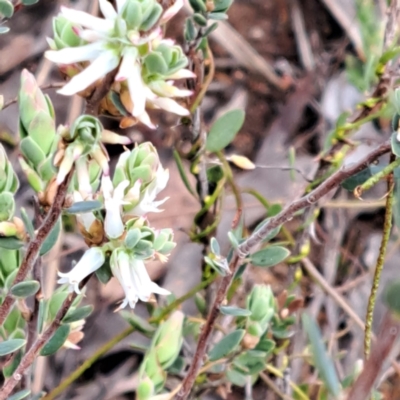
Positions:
{"x": 285, "y": 215}
{"x": 34, "y": 246}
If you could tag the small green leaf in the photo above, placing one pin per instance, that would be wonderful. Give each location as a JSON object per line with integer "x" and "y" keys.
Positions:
{"x": 190, "y": 30}
{"x": 214, "y": 246}
{"x": 6, "y": 8}
{"x": 218, "y": 16}
{"x": 104, "y": 273}
{"x": 265, "y": 345}
{"x": 236, "y": 377}
{"x": 56, "y": 341}
{"x": 235, "y": 311}
{"x": 138, "y": 323}
{"x": 28, "y": 223}
{"x": 182, "y": 172}
{"x": 222, "y": 5}
{"x": 55, "y": 302}
{"x": 323, "y": 363}
{"x": 10, "y": 368}
{"x": 199, "y": 19}
{"x": 395, "y": 144}
{"x": 77, "y": 314}
{"x": 10, "y": 346}
{"x": 226, "y": 345}
{"x": 25, "y": 289}
{"x": 51, "y": 240}
{"x": 38, "y": 396}
{"x": 10, "y": 243}
{"x": 210, "y": 29}
{"x": 153, "y": 18}
{"x": 20, "y": 395}
{"x": 224, "y": 130}
{"x": 391, "y": 296}
{"x": 270, "y": 256}
{"x": 81, "y": 207}
{"x": 270, "y": 235}
{"x": 198, "y": 5}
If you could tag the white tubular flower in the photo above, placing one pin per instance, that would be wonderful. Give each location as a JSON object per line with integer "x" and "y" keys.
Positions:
{"x": 113, "y": 201}
{"x": 129, "y": 37}
{"x": 147, "y": 202}
{"x": 86, "y": 219}
{"x": 91, "y": 261}
{"x": 134, "y": 279}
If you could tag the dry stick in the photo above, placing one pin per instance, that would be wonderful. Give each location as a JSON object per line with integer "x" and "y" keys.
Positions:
{"x": 386, "y": 339}
{"x": 340, "y": 300}
{"x": 34, "y": 246}
{"x": 285, "y": 215}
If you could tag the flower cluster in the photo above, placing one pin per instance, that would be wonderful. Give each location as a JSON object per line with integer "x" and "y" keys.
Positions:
{"x": 121, "y": 234}
{"x": 129, "y": 38}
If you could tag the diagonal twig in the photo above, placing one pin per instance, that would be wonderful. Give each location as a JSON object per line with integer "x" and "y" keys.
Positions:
{"x": 240, "y": 254}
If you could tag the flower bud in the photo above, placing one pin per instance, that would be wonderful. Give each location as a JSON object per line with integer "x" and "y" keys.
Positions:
{"x": 141, "y": 167}
{"x": 168, "y": 339}
{"x": 164, "y": 350}
{"x": 261, "y": 303}
{"x": 37, "y": 131}
{"x": 145, "y": 389}
{"x": 64, "y": 34}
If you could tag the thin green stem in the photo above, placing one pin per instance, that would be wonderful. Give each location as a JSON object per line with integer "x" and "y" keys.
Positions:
{"x": 301, "y": 395}
{"x": 122, "y": 335}
{"x": 376, "y": 178}
{"x": 197, "y": 101}
{"x": 387, "y": 226}
{"x": 231, "y": 180}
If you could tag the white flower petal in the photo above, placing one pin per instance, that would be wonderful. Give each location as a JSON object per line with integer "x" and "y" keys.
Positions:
{"x": 70, "y": 55}
{"x": 182, "y": 74}
{"x": 86, "y": 219}
{"x": 165, "y": 89}
{"x": 91, "y": 261}
{"x": 120, "y": 267}
{"x": 171, "y": 11}
{"x": 158, "y": 289}
{"x": 170, "y": 105}
{"x": 141, "y": 279}
{"x": 134, "y": 278}
{"x": 127, "y": 63}
{"x": 145, "y": 119}
{"x": 99, "y": 68}
{"x": 87, "y": 21}
{"x": 113, "y": 224}
{"x": 90, "y": 35}
{"x": 119, "y": 190}
{"x": 136, "y": 90}
{"x": 107, "y": 10}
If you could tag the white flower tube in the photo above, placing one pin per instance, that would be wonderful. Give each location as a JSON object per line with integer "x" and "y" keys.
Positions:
{"x": 133, "y": 277}
{"x": 91, "y": 261}
{"x": 113, "y": 201}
